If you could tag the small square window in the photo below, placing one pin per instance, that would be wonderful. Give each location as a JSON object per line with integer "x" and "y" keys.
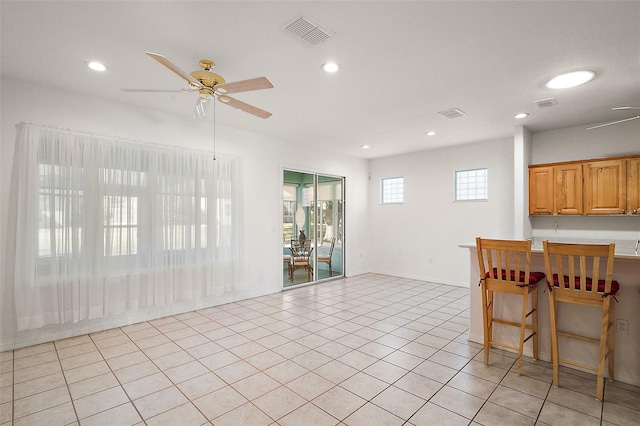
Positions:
{"x": 392, "y": 190}
{"x": 471, "y": 184}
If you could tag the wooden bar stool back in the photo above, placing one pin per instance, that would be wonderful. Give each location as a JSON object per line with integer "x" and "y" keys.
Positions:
{"x": 505, "y": 268}
{"x": 572, "y": 270}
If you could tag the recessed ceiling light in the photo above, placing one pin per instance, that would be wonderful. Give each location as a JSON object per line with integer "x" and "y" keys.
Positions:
{"x": 365, "y": 147}
{"x": 96, "y": 66}
{"x": 571, "y": 79}
{"x": 522, "y": 115}
{"x": 431, "y": 133}
{"x": 330, "y": 67}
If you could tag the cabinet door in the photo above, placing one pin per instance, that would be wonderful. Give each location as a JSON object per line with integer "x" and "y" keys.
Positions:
{"x": 633, "y": 186}
{"x": 541, "y": 190}
{"x": 605, "y": 187}
{"x": 568, "y": 189}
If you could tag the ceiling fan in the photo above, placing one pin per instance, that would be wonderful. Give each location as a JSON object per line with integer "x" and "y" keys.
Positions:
{"x": 210, "y": 85}
{"x": 620, "y": 108}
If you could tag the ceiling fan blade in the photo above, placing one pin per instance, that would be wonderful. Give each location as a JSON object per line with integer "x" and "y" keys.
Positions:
{"x": 158, "y": 90}
{"x": 201, "y": 108}
{"x": 244, "y": 106}
{"x": 622, "y": 108}
{"x": 245, "y": 85}
{"x": 167, "y": 63}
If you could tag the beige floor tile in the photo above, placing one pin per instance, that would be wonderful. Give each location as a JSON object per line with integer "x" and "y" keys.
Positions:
{"x": 6, "y": 394}
{"x": 399, "y": 402}
{"x": 219, "y": 360}
{"x": 364, "y": 385}
{"x": 41, "y": 401}
{"x": 385, "y": 371}
{"x": 372, "y": 415}
{"x": 279, "y": 402}
{"x": 517, "y": 401}
{"x": 433, "y": 415}
{"x": 6, "y": 413}
{"x": 33, "y": 360}
{"x": 310, "y": 385}
{"x": 76, "y": 361}
{"x": 159, "y": 402}
{"x": 185, "y": 372}
{"x": 86, "y": 371}
{"x": 237, "y": 371}
{"x": 122, "y": 415}
{"x": 256, "y": 385}
{"x": 577, "y": 401}
{"x": 620, "y": 394}
{"x": 205, "y": 349}
{"x": 219, "y": 402}
{"x": 418, "y": 385}
{"x": 458, "y": 401}
{"x": 534, "y": 387}
{"x": 61, "y": 414}
{"x": 184, "y": 415}
{"x": 339, "y": 402}
{"x": 265, "y": 360}
{"x": 100, "y": 401}
{"x": 419, "y": 350}
{"x": 36, "y": 372}
{"x": 620, "y": 415}
{"x": 449, "y": 359}
{"x": 192, "y": 341}
{"x": 434, "y": 371}
{"x": 335, "y": 371}
{"x": 114, "y": 351}
{"x": 357, "y": 360}
{"x": 247, "y": 414}
{"x": 127, "y": 360}
{"x": 201, "y": 385}
{"x": 136, "y": 371}
{"x": 33, "y": 350}
{"x": 146, "y": 385}
{"x": 556, "y": 415}
{"x": 173, "y": 359}
{"x": 108, "y": 342}
{"x": 492, "y": 414}
{"x": 35, "y": 386}
{"x": 472, "y": 385}
{"x": 286, "y": 371}
{"x": 161, "y": 350}
{"x": 308, "y": 415}
{"x": 311, "y": 359}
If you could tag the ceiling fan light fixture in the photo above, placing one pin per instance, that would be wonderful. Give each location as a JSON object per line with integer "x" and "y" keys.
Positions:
{"x": 521, "y": 115}
{"x": 224, "y": 99}
{"x": 330, "y": 67}
{"x": 96, "y": 66}
{"x": 570, "y": 79}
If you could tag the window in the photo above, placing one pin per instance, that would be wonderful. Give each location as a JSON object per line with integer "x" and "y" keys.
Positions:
{"x": 392, "y": 190}
{"x": 471, "y": 185}
{"x": 105, "y": 226}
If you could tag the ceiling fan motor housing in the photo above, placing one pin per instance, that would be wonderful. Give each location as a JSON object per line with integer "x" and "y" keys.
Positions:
{"x": 207, "y": 78}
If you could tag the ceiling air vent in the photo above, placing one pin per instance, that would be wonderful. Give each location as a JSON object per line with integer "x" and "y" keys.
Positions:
{"x": 308, "y": 30}
{"x": 452, "y": 113}
{"x": 544, "y": 103}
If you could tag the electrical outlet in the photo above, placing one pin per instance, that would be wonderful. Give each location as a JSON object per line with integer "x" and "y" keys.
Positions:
{"x": 622, "y": 326}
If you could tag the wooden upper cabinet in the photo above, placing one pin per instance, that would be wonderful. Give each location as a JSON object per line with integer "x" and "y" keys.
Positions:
{"x": 605, "y": 187}
{"x": 633, "y": 186}
{"x": 568, "y": 189}
{"x": 541, "y": 190}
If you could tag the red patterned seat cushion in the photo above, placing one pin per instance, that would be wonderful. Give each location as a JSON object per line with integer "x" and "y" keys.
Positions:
{"x": 534, "y": 277}
{"x": 615, "y": 286}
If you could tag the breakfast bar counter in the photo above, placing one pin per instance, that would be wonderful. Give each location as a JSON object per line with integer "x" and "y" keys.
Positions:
{"x": 580, "y": 319}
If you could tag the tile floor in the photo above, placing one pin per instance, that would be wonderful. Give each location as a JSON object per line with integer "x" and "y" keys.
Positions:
{"x": 367, "y": 350}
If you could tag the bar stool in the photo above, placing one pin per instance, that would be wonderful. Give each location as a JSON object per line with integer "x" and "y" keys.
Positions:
{"x": 574, "y": 263}
{"x": 504, "y": 268}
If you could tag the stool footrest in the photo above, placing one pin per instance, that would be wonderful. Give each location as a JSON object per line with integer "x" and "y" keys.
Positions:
{"x": 513, "y": 323}
{"x": 578, "y": 337}
{"x": 577, "y": 364}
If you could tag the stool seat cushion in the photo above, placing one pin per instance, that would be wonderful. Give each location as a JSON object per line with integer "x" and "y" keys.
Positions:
{"x": 534, "y": 277}
{"x": 615, "y": 286}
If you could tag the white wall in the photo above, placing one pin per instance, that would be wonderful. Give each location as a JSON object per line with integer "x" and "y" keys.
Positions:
{"x": 263, "y": 159}
{"x": 420, "y": 238}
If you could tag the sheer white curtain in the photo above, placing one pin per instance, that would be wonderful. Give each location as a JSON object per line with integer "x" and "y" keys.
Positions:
{"x": 107, "y": 226}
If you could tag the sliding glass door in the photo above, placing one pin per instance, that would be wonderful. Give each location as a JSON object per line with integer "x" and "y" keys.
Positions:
{"x": 312, "y": 225}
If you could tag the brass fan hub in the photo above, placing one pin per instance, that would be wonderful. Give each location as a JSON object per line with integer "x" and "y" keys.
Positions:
{"x": 205, "y": 76}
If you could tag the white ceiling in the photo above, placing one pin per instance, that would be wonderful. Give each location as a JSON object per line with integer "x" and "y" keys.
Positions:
{"x": 402, "y": 63}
